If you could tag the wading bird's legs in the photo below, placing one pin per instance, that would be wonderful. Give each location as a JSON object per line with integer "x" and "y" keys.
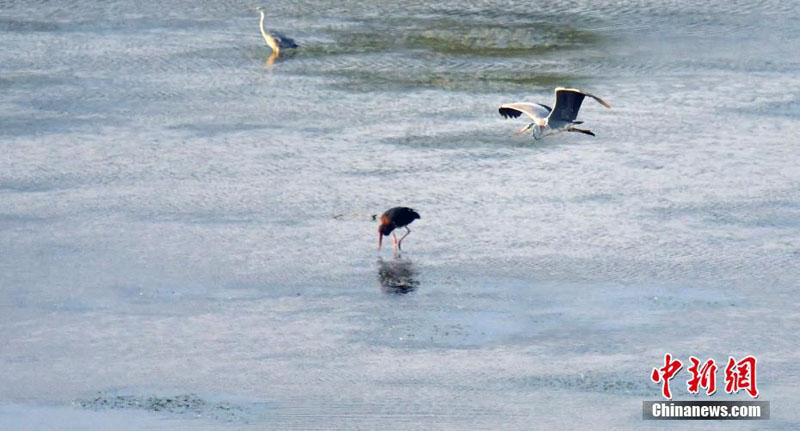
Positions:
{"x": 408, "y": 231}
{"x": 394, "y": 241}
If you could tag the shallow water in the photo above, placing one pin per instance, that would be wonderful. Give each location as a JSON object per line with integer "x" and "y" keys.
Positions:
{"x": 180, "y": 217}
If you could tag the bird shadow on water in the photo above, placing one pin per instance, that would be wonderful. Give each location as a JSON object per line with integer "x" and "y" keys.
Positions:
{"x": 397, "y": 276}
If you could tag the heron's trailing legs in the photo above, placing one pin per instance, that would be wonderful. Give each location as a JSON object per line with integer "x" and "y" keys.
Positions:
{"x": 585, "y": 131}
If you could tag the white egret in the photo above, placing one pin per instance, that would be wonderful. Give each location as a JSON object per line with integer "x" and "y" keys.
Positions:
{"x": 275, "y": 40}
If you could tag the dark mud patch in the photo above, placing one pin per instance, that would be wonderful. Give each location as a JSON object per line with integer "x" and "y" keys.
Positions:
{"x": 182, "y": 404}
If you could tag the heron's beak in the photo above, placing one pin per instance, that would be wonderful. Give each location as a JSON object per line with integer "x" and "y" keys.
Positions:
{"x": 524, "y": 129}
{"x": 380, "y": 239}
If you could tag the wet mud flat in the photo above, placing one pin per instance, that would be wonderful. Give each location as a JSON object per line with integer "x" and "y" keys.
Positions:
{"x": 187, "y": 234}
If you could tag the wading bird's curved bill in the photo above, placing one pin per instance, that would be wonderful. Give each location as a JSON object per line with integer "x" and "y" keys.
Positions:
{"x": 546, "y": 120}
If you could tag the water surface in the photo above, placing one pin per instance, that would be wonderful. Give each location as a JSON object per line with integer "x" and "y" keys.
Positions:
{"x": 181, "y": 219}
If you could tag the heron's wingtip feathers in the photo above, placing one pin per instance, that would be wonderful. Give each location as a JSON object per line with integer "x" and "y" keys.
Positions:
{"x": 535, "y": 111}
{"x": 603, "y": 102}
{"x": 599, "y": 100}
{"x": 575, "y": 90}
{"x": 508, "y": 112}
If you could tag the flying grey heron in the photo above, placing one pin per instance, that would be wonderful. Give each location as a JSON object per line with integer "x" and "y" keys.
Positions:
{"x": 547, "y": 120}
{"x": 275, "y": 40}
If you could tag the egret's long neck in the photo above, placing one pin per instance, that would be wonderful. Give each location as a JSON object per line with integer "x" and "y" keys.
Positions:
{"x": 268, "y": 37}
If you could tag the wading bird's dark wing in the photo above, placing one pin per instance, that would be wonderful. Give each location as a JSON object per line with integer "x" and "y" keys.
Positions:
{"x": 533, "y": 110}
{"x": 568, "y": 103}
{"x": 283, "y": 41}
{"x": 401, "y": 216}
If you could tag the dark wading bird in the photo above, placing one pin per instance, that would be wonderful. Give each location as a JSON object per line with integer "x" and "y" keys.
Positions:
{"x": 276, "y": 41}
{"x": 396, "y": 218}
{"x": 546, "y": 120}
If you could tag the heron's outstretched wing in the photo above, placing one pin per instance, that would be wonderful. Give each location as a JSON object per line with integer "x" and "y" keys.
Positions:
{"x": 568, "y": 103}
{"x": 533, "y": 110}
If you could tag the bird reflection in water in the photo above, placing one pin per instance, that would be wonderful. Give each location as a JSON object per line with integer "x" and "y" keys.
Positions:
{"x": 271, "y": 59}
{"x": 274, "y": 58}
{"x": 397, "y": 276}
